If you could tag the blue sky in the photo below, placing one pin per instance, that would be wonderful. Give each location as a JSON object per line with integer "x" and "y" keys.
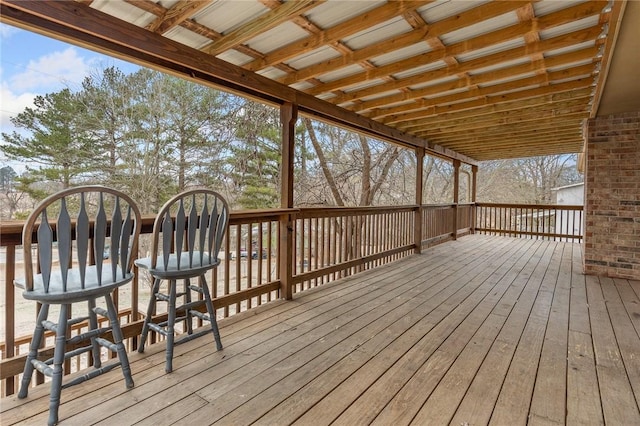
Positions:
{"x": 33, "y": 65}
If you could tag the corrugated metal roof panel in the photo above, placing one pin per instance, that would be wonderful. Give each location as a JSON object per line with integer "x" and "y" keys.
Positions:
{"x": 226, "y": 15}
{"x": 186, "y": 37}
{"x": 342, "y": 72}
{"x": 124, "y": 11}
{"x": 490, "y": 50}
{"x": 505, "y": 64}
{"x": 277, "y": 37}
{"x": 434, "y": 82}
{"x": 400, "y": 54}
{"x": 315, "y": 56}
{"x": 508, "y": 79}
{"x": 302, "y": 85}
{"x": 234, "y": 57}
{"x": 572, "y": 48}
{"x": 442, "y": 9}
{"x": 421, "y": 69}
{"x": 364, "y": 85}
{"x": 546, "y": 7}
{"x": 571, "y": 65}
{"x": 333, "y": 12}
{"x": 569, "y": 27}
{"x": 377, "y": 33}
{"x": 480, "y": 28}
{"x": 380, "y": 95}
{"x": 272, "y": 73}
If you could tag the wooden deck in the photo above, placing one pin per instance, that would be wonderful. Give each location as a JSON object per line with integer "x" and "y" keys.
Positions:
{"x": 483, "y": 330}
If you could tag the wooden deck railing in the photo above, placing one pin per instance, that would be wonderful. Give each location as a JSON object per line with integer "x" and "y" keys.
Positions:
{"x": 327, "y": 244}
{"x": 554, "y": 222}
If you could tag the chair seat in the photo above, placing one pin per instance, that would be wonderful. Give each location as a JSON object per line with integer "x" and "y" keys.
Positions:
{"x": 187, "y": 269}
{"x": 74, "y": 291}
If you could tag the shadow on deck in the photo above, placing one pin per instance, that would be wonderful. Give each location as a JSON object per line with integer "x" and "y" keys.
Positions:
{"x": 477, "y": 331}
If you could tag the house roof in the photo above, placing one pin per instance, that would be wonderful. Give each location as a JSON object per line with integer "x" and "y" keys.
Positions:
{"x": 474, "y": 80}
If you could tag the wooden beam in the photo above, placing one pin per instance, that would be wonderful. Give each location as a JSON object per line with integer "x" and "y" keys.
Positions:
{"x": 456, "y": 197}
{"x": 617, "y": 11}
{"x": 417, "y": 220}
{"x": 191, "y": 25}
{"x": 508, "y": 112}
{"x": 443, "y": 26}
{"x": 178, "y": 13}
{"x": 263, "y": 23}
{"x": 551, "y": 20}
{"x": 79, "y": 24}
{"x": 288, "y": 119}
{"x": 553, "y": 43}
{"x": 351, "y": 26}
{"x": 425, "y": 110}
{"x": 502, "y": 91}
{"x": 495, "y": 129}
{"x": 517, "y": 114}
{"x": 538, "y": 67}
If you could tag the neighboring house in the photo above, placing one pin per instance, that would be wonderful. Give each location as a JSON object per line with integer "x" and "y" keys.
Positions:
{"x": 572, "y": 195}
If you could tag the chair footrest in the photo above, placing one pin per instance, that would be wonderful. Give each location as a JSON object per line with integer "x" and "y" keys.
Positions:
{"x": 158, "y": 329}
{"x": 75, "y": 321}
{"x": 88, "y": 335}
{"x": 50, "y": 326}
{"x": 200, "y": 315}
{"x": 101, "y": 311}
{"x": 107, "y": 344}
{"x": 196, "y": 288}
{"x": 91, "y": 374}
{"x": 162, "y": 297}
{"x": 42, "y": 367}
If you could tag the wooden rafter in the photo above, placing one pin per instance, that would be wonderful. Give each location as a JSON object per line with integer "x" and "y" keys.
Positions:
{"x": 263, "y": 23}
{"x": 334, "y": 34}
{"x": 487, "y": 78}
{"x": 499, "y": 110}
{"x": 179, "y": 13}
{"x": 488, "y": 39}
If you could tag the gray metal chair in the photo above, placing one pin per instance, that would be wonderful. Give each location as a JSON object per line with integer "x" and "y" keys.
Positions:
{"x": 182, "y": 249}
{"x": 78, "y": 261}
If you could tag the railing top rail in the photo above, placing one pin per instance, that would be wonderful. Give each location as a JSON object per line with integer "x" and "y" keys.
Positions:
{"x": 341, "y": 211}
{"x": 11, "y": 230}
{"x": 532, "y": 206}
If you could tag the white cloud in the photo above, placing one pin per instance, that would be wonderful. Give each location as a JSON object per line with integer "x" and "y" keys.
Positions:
{"x": 52, "y": 72}
{"x": 11, "y": 104}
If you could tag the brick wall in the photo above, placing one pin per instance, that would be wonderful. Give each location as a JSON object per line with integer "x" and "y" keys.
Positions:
{"x": 612, "y": 196}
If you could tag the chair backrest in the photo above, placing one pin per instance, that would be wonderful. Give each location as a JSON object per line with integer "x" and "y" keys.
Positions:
{"x": 201, "y": 222}
{"x": 104, "y": 223}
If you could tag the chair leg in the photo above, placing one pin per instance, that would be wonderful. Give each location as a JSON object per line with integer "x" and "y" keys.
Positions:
{"x": 117, "y": 339}
{"x": 150, "y": 309}
{"x": 33, "y": 351}
{"x": 171, "y": 320}
{"x": 58, "y": 360}
{"x": 211, "y": 312}
{"x": 93, "y": 324}
{"x": 187, "y": 300}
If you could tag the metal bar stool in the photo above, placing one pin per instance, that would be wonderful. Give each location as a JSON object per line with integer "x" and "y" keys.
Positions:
{"x": 181, "y": 250}
{"x": 99, "y": 262}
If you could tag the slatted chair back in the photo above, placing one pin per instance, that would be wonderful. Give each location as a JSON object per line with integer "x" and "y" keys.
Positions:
{"x": 195, "y": 237}
{"x": 104, "y": 223}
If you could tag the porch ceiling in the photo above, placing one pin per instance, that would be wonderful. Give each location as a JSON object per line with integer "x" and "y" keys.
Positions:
{"x": 487, "y": 80}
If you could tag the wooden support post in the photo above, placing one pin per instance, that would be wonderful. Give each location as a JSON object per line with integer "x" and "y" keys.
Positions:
{"x": 474, "y": 183}
{"x": 417, "y": 229}
{"x": 288, "y": 118}
{"x": 456, "y": 196}
{"x": 9, "y": 319}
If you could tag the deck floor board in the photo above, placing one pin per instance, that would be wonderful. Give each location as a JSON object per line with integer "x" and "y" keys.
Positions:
{"x": 482, "y": 330}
